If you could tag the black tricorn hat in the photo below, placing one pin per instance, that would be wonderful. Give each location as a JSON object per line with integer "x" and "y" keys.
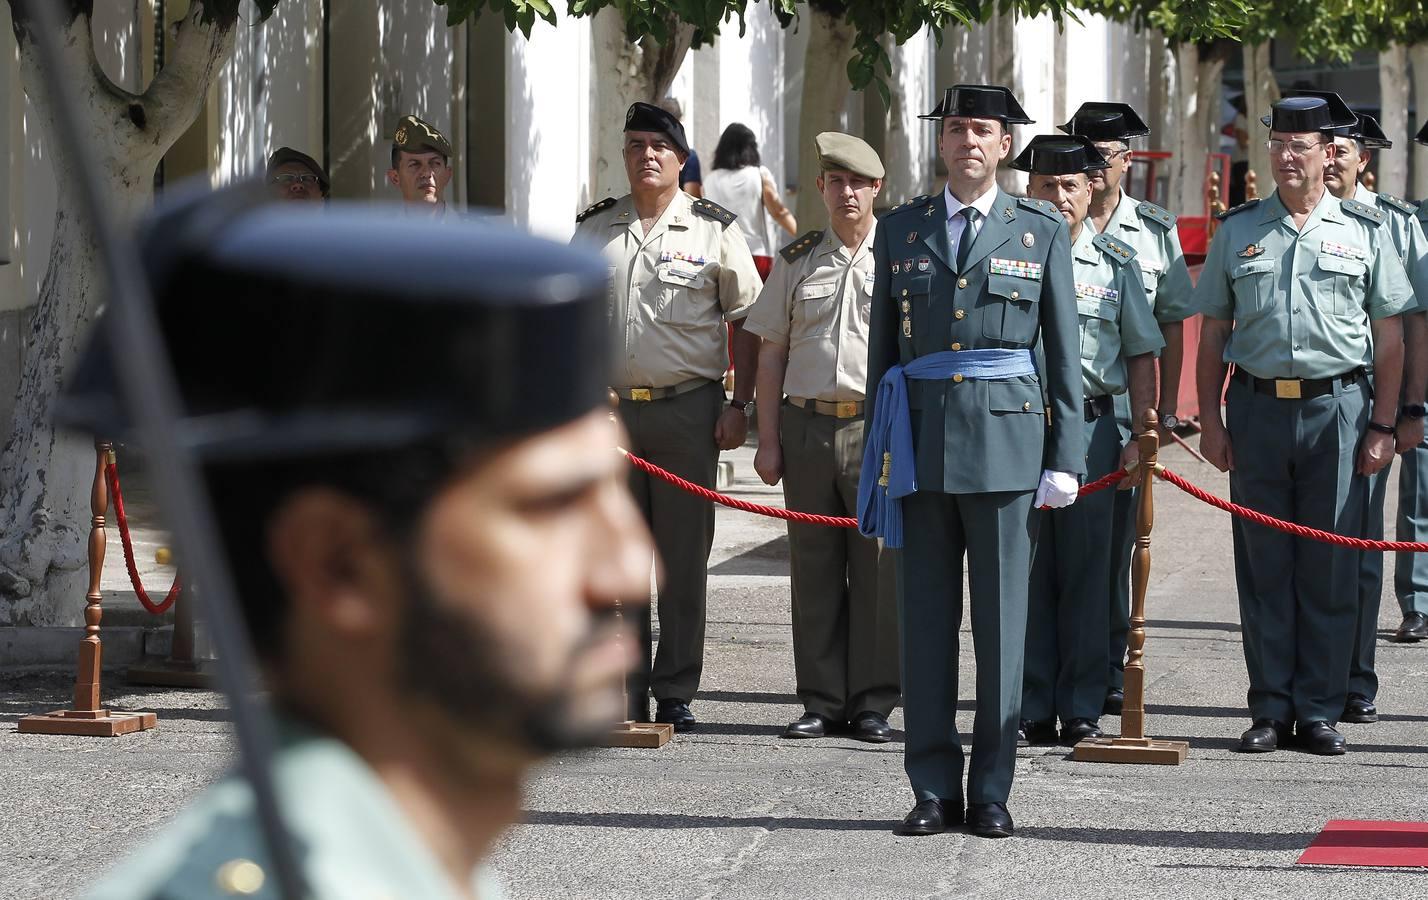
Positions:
{"x": 1106, "y": 122}
{"x": 648, "y": 117}
{"x": 980, "y": 101}
{"x": 1422, "y": 135}
{"x": 1055, "y": 154}
{"x": 1364, "y": 128}
{"x": 326, "y": 331}
{"x": 1306, "y": 111}
{"x": 1370, "y": 133}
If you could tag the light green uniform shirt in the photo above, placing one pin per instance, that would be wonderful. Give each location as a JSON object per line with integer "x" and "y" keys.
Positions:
{"x": 1301, "y": 300}
{"x": 1151, "y": 231}
{"x": 1113, "y": 312}
{"x": 1406, "y": 232}
{"x": 351, "y": 840}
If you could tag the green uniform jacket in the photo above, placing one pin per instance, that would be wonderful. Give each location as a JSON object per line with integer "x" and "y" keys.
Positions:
{"x": 979, "y": 436}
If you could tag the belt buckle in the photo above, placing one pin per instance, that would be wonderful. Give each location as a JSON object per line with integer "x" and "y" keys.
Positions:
{"x": 641, "y": 395}
{"x": 1288, "y": 388}
{"x": 846, "y": 409}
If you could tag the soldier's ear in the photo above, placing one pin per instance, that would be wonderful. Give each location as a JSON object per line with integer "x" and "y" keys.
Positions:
{"x": 392, "y": 177}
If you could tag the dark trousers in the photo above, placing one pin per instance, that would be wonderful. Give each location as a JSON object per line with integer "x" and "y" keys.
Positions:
{"x": 845, "y": 644}
{"x": 676, "y": 434}
{"x": 1362, "y": 677}
{"x": 997, "y": 531}
{"x": 1294, "y": 460}
{"x": 1410, "y": 570}
{"x": 1125, "y": 504}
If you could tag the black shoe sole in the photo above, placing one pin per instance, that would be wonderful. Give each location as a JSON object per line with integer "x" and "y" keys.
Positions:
{"x": 802, "y": 735}
{"x": 1243, "y": 748}
{"x": 679, "y": 727}
{"x": 872, "y": 738}
{"x": 991, "y": 832}
{"x": 904, "y": 831}
{"x": 1407, "y": 639}
{"x": 1359, "y": 720}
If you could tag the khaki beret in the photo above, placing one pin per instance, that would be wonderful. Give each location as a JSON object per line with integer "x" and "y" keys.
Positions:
{"x": 837, "y": 150}
{"x": 417, "y": 136}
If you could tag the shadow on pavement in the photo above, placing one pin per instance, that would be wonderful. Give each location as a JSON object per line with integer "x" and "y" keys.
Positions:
{"x": 1200, "y": 840}
{"x": 680, "y": 820}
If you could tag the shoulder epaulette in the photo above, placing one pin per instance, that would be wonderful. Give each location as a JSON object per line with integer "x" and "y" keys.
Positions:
{"x": 594, "y": 208}
{"x": 800, "y": 246}
{"x": 1119, "y": 251}
{"x": 1248, "y": 204}
{"x": 711, "y": 210}
{"x": 1364, "y": 211}
{"x": 1041, "y": 206}
{"x": 915, "y": 201}
{"x": 1157, "y": 214}
{"x": 1423, "y": 211}
{"x": 1402, "y": 206}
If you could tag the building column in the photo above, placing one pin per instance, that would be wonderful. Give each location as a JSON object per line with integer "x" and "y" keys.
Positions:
{"x": 548, "y": 127}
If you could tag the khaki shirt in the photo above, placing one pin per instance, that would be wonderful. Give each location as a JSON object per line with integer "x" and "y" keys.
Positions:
{"x": 1301, "y": 300}
{"x": 817, "y": 306}
{"x": 671, "y": 291}
{"x": 1150, "y": 231}
{"x": 1114, "y": 315}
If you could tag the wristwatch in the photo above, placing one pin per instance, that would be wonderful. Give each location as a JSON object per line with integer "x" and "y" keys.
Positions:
{"x": 1381, "y": 428}
{"x": 1169, "y": 422}
{"x": 742, "y": 406}
{"x": 1412, "y": 410}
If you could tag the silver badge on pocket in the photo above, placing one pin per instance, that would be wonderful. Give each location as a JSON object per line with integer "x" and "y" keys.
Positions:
{"x": 1028, "y": 239}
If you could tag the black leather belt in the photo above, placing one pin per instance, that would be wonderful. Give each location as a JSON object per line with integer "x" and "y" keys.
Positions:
{"x": 1297, "y": 388}
{"x": 1095, "y": 407}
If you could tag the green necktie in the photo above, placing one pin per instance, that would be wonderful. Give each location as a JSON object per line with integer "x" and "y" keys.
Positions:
{"x": 964, "y": 244}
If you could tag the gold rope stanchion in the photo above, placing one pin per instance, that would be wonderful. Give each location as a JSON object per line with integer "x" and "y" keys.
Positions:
{"x": 630, "y": 733}
{"x": 1133, "y": 746}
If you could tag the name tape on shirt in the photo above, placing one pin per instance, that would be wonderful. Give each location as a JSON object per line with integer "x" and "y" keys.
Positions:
{"x": 1019, "y": 268}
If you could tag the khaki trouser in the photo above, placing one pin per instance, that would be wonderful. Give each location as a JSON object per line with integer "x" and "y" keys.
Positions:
{"x": 845, "y": 637}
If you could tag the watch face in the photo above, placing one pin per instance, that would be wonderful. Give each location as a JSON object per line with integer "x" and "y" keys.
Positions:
{"x": 1169, "y": 423}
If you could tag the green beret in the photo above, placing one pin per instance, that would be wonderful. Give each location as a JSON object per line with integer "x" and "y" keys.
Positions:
{"x": 416, "y": 136}
{"x": 837, "y": 150}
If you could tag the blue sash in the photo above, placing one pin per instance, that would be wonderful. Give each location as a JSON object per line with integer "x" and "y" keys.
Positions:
{"x": 889, "y": 471}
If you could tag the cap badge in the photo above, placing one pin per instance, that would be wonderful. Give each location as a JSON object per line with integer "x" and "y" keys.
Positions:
{"x": 1028, "y": 239}
{"x": 401, "y": 136}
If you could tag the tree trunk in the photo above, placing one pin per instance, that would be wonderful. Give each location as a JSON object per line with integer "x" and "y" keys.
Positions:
{"x": 825, "y": 93}
{"x": 628, "y": 72}
{"x": 906, "y": 151}
{"x": 1393, "y": 85}
{"x": 45, "y": 476}
{"x": 1419, "y": 54}
{"x": 1163, "y": 113}
{"x": 1190, "y": 149}
{"x": 1261, "y": 91}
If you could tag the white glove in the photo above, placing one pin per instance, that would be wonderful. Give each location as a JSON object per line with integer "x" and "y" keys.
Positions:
{"x": 1057, "y": 490}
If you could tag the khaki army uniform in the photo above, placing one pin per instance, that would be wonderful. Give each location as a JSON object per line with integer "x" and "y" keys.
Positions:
{"x": 1065, "y": 673}
{"x": 672, "y": 293}
{"x": 1297, "y": 411}
{"x": 816, "y": 303}
{"x": 351, "y": 839}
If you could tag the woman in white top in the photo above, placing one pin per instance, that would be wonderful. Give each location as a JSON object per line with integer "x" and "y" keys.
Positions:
{"x": 744, "y": 187}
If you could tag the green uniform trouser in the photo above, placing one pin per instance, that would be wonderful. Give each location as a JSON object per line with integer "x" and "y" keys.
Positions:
{"x": 1122, "y": 547}
{"x": 1066, "y": 619}
{"x": 1362, "y": 677}
{"x": 997, "y": 531}
{"x": 676, "y": 434}
{"x": 1410, "y": 570}
{"x": 844, "y": 593}
{"x": 1294, "y": 460}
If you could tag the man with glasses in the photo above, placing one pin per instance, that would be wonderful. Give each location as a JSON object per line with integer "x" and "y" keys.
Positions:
{"x": 293, "y": 175}
{"x": 421, "y": 167}
{"x": 1150, "y": 231}
{"x": 1301, "y": 292}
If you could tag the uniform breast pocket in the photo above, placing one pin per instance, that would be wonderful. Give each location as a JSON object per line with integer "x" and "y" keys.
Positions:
{"x": 815, "y": 307}
{"x": 1098, "y": 323}
{"x": 683, "y": 290}
{"x": 1253, "y": 285}
{"x": 1012, "y": 309}
{"x": 1014, "y": 398}
{"x": 1150, "y": 277}
{"x": 1339, "y": 284}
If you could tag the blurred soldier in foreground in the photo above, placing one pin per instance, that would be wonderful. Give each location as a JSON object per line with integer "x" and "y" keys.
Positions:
{"x": 293, "y": 175}
{"x": 428, "y": 524}
{"x": 813, "y": 318}
{"x": 421, "y": 167}
{"x": 681, "y": 276}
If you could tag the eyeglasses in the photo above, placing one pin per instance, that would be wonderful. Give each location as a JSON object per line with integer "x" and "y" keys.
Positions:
{"x": 1111, "y": 154}
{"x": 288, "y": 178}
{"x": 1295, "y": 148}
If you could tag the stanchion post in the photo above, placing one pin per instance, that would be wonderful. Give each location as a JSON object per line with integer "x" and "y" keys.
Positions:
{"x": 1133, "y": 746}
{"x": 87, "y": 718}
{"x": 630, "y": 733}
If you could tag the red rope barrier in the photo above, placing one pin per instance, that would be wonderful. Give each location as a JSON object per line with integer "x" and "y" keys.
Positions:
{"x": 111, "y": 472}
{"x": 778, "y": 512}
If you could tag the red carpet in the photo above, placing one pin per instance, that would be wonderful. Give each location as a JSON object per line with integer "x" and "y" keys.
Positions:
{"x": 1345, "y": 842}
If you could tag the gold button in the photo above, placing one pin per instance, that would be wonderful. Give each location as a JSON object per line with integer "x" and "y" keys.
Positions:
{"x": 1025, "y": 407}
{"x": 904, "y": 292}
{"x": 957, "y": 378}
{"x": 956, "y": 346}
{"x": 1016, "y": 295}
{"x": 961, "y": 314}
{"x": 240, "y": 876}
{"x": 961, "y": 282}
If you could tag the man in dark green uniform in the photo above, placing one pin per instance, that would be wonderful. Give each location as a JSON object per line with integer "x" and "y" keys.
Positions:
{"x": 1410, "y": 570}
{"x": 1291, "y": 289}
{"x": 968, "y": 282}
{"x": 1066, "y": 668}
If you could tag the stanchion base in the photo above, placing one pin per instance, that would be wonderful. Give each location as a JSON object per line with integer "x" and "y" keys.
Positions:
{"x": 100, "y": 723}
{"x": 1144, "y": 751}
{"x": 640, "y": 734}
{"x": 170, "y": 673}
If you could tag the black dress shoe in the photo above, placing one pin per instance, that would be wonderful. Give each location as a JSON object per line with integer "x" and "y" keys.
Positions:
{"x": 1359, "y": 710}
{"x": 1413, "y": 629}
{"x": 1077, "y": 730}
{"x": 1264, "y": 736}
{"x": 676, "y": 713}
{"x": 989, "y": 820}
{"x": 812, "y": 725}
{"x": 1115, "y": 700}
{"x": 1321, "y": 738}
{"x": 1033, "y": 733}
{"x": 871, "y": 727}
{"x": 930, "y": 817}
